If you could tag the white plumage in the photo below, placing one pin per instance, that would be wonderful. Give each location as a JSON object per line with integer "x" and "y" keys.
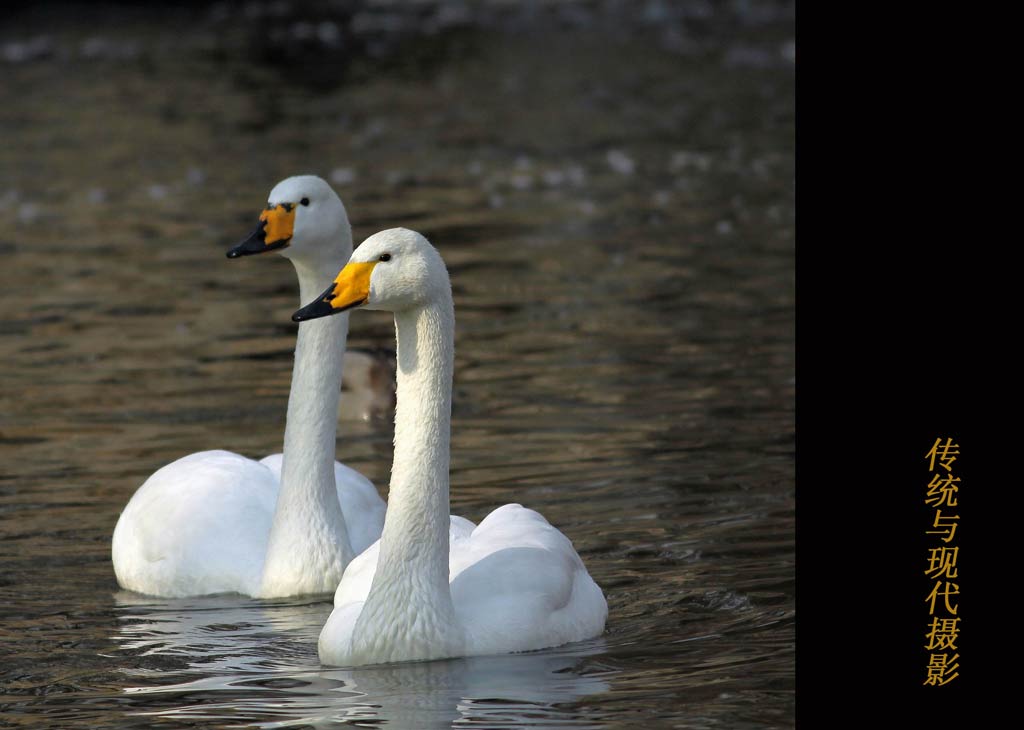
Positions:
{"x": 434, "y": 586}
{"x": 200, "y": 525}
{"x": 218, "y": 522}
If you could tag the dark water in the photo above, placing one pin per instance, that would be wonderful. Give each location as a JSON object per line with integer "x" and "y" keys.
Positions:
{"x": 613, "y": 193}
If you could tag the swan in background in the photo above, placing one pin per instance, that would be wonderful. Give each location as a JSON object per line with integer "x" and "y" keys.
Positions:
{"x": 218, "y": 522}
{"x": 514, "y": 582}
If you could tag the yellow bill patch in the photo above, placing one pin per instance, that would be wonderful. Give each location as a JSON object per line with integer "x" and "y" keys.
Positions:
{"x": 280, "y": 223}
{"x": 352, "y": 285}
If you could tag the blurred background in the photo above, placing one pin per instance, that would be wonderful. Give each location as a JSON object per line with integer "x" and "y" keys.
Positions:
{"x": 611, "y": 183}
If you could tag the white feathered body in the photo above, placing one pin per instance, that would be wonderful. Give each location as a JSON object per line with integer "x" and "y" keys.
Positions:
{"x": 516, "y": 582}
{"x": 200, "y": 526}
{"x": 435, "y": 586}
{"x": 217, "y": 522}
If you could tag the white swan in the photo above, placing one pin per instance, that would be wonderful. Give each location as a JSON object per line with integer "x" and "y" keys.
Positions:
{"x": 513, "y": 583}
{"x": 217, "y": 522}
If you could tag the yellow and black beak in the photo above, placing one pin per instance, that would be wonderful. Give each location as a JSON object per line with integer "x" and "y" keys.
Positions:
{"x": 351, "y": 288}
{"x": 273, "y": 232}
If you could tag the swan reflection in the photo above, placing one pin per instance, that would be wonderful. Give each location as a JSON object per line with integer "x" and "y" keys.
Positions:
{"x": 255, "y": 662}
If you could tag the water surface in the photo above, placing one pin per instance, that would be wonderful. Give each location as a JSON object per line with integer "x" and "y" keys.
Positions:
{"x": 615, "y": 204}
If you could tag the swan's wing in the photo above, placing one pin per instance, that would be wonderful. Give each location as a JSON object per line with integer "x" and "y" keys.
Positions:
{"x": 459, "y": 528}
{"x": 518, "y": 584}
{"x": 362, "y": 507}
{"x": 274, "y": 463}
{"x": 197, "y": 526}
{"x": 355, "y": 582}
{"x": 336, "y": 635}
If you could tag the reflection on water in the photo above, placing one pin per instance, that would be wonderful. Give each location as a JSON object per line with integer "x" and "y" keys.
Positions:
{"x": 615, "y": 202}
{"x": 256, "y": 660}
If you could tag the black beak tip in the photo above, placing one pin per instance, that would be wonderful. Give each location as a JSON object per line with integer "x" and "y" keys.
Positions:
{"x": 307, "y": 313}
{"x": 318, "y": 308}
{"x": 255, "y": 243}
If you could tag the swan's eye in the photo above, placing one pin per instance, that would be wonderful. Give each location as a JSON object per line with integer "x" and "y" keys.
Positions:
{"x": 304, "y": 201}
{"x": 385, "y": 257}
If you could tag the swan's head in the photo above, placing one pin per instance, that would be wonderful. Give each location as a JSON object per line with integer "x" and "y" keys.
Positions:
{"x": 304, "y": 219}
{"x": 394, "y": 270}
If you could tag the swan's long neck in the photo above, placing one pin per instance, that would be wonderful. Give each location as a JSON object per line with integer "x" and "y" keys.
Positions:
{"x": 416, "y": 527}
{"x": 410, "y": 596}
{"x": 309, "y": 545}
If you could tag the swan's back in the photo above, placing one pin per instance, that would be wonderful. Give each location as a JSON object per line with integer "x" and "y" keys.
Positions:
{"x": 197, "y": 526}
{"x": 518, "y": 584}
